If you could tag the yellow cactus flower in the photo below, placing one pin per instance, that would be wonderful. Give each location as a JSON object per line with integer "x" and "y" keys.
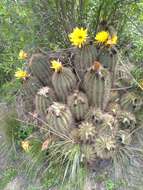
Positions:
{"x": 102, "y": 37}
{"x": 56, "y": 65}
{"x": 25, "y": 145}
{"x": 78, "y": 37}
{"x": 23, "y": 55}
{"x": 21, "y": 74}
{"x": 112, "y": 40}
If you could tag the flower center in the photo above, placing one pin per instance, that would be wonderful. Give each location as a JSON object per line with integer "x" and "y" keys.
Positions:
{"x": 80, "y": 37}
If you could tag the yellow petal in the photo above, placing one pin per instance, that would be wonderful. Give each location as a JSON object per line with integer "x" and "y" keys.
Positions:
{"x": 21, "y": 74}
{"x": 102, "y": 37}
{"x": 78, "y": 37}
{"x": 23, "y": 55}
{"x": 56, "y": 65}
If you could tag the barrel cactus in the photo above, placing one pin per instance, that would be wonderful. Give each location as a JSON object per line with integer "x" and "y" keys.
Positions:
{"x": 59, "y": 118}
{"x": 93, "y": 120}
{"x": 43, "y": 99}
{"x": 78, "y": 104}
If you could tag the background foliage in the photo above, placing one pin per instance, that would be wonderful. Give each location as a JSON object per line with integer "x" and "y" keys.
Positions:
{"x": 33, "y": 25}
{"x": 37, "y": 25}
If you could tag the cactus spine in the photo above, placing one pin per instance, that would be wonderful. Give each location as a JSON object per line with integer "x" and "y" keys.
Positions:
{"x": 105, "y": 147}
{"x": 78, "y": 104}
{"x": 126, "y": 120}
{"x": 95, "y": 116}
{"x": 87, "y": 132}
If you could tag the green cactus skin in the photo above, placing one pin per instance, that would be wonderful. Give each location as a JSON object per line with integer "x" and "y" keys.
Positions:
{"x": 63, "y": 82}
{"x": 97, "y": 86}
{"x": 131, "y": 102}
{"x": 59, "y": 118}
{"x": 29, "y": 89}
{"x": 87, "y": 132}
{"x": 126, "y": 120}
{"x": 84, "y": 58}
{"x": 78, "y": 104}
{"x": 109, "y": 60}
{"x": 30, "y": 86}
{"x": 44, "y": 98}
{"x": 40, "y": 68}
{"x": 105, "y": 58}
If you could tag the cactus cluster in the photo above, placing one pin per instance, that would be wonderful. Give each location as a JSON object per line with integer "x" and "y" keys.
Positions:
{"x": 81, "y": 101}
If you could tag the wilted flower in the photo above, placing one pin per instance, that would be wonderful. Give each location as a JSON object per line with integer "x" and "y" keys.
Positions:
{"x": 97, "y": 66}
{"x": 21, "y": 74}
{"x": 56, "y": 65}
{"x": 23, "y": 55}
{"x": 25, "y": 145}
{"x": 45, "y": 144}
{"x": 43, "y": 91}
{"x": 78, "y": 37}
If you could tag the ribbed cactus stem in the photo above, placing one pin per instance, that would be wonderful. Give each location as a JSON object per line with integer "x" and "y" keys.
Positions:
{"x": 59, "y": 118}
{"x": 97, "y": 85}
{"x": 31, "y": 86}
{"x": 44, "y": 98}
{"x": 84, "y": 58}
{"x": 109, "y": 60}
{"x": 40, "y": 68}
{"x": 63, "y": 82}
{"x": 78, "y": 104}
